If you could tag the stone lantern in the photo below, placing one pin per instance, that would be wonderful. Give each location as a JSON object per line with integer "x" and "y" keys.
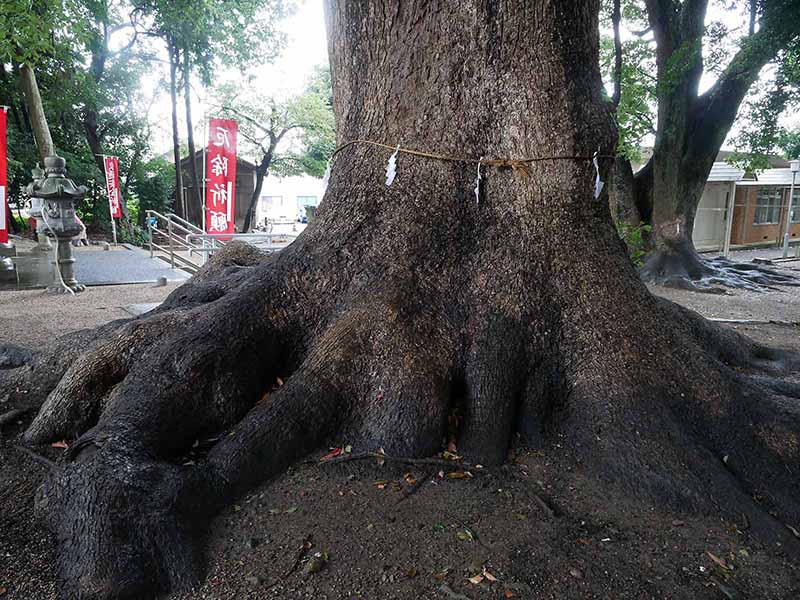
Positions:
{"x": 53, "y": 198}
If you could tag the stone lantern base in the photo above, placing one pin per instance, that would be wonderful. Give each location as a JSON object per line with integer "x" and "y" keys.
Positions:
{"x": 8, "y": 270}
{"x": 64, "y": 268}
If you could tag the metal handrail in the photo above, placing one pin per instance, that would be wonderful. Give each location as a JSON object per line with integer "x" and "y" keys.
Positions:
{"x": 191, "y": 226}
{"x": 173, "y": 222}
{"x": 237, "y": 236}
{"x": 195, "y": 240}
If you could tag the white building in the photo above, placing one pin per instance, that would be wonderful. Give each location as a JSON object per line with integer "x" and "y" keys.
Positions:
{"x": 711, "y": 219}
{"x": 283, "y": 199}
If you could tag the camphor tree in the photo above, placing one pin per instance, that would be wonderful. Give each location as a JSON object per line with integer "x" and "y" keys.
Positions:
{"x": 690, "y": 126}
{"x": 400, "y": 302}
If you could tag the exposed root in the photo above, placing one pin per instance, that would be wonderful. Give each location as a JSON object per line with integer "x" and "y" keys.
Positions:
{"x": 80, "y": 396}
{"x": 725, "y": 344}
{"x": 682, "y": 267}
{"x": 383, "y": 370}
{"x": 12, "y": 415}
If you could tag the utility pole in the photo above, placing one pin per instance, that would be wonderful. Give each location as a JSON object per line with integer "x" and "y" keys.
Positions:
{"x": 794, "y": 167}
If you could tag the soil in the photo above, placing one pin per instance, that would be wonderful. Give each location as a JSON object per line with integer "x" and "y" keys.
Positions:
{"x": 540, "y": 527}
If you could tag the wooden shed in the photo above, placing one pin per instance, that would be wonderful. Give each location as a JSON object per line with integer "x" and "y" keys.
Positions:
{"x": 245, "y": 185}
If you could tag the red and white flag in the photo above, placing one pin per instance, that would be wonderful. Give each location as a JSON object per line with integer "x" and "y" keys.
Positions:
{"x": 112, "y": 186}
{"x": 3, "y": 178}
{"x": 221, "y": 175}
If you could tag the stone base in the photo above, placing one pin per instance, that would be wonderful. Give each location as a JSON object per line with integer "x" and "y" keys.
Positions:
{"x": 55, "y": 289}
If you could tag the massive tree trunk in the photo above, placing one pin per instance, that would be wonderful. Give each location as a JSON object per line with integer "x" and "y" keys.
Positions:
{"x": 690, "y": 132}
{"x": 399, "y": 303}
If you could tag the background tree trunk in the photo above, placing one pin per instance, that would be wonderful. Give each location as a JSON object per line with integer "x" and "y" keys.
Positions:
{"x": 174, "y": 61}
{"x": 690, "y": 132}
{"x": 38, "y": 120}
{"x": 194, "y": 201}
{"x": 262, "y": 171}
{"x": 401, "y": 304}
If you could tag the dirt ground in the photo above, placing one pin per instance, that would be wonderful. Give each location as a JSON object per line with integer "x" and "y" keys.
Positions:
{"x": 536, "y": 528}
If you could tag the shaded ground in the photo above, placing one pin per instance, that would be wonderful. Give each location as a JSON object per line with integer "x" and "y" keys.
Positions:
{"x": 32, "y": 317}
{"x": 540, "y": 527}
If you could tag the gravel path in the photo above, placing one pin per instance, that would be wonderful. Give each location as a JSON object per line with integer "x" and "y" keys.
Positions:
{"x": 29, "y": 318}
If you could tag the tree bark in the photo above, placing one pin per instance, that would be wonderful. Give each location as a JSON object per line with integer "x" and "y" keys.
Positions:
{"x": 174, "y": 60}
{"x": 400, "y": 303}
{"x": 194, "y": 200}
{"x": 38, "y": 120}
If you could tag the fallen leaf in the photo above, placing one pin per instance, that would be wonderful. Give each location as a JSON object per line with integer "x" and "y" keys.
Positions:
{"x": 348, "y": 449}
{"x": 412, "y": 572}
{"x": 464, "y": 536}
{"x": 333, "y": 453}
{"x": 293, "y": 509}
{"x": 2, "y": 591}
{"x": 476, "y": 580}
{"x": 62, "y": 444}
{"x": 315, "y": 564}
{"x": 441, "y": 576}
{"x": 381, "y": 462}
{"x": 721, "y": 562}
{"x": 508, "y": 594}
{"x": 520, "y": 517}
{"x": 381, "y": 484}
{"x": 459, "y": 475}
{"x": 489, "y": 576}
{"x": 451, "y": 447}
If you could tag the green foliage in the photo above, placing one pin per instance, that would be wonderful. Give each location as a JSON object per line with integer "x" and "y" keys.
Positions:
{"x": 637, "y": 106}
{"x": 152, "y": 188}
{"x": 763, "y": 132}
{"x": 634, "y": 238}
{"x": 760, "y": 119}
{"x": 296, "y": 134}
{"x": 136, "y": 235}
{"x": 789, "y": 144}
{"x": 235, "y": 32}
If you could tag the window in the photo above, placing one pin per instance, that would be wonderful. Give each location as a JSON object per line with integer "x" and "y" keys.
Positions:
{"x": 795, "y": 216}
{"x": 306, "y": 201}
{"x": 768, "y": 206}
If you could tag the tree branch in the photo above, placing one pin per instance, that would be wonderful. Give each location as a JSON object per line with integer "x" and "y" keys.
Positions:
{"x": 616, "y": 17}
{"x": 715, "y": 111}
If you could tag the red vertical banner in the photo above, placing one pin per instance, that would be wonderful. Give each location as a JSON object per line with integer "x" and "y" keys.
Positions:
{"x": 3, "y": 178}
{"x": 221, "y": 176}
{"x": 112, "y": 186}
